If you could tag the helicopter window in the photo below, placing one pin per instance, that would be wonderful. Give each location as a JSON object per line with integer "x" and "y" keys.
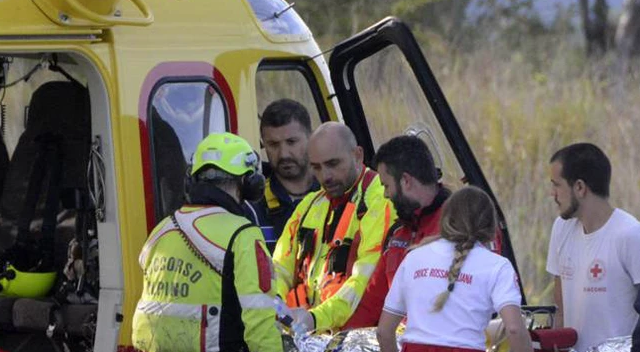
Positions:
{"x": 394, "y": 104}
{"x": 181, "y": 115}
{"x": 278, "y": 17}
{"x": 293, "y": 80}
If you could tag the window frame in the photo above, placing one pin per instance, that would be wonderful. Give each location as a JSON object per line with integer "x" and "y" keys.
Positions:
{"x": 391, "y": 31}
{"x": 149, "y": 125}
{"x": 306, "y": 71}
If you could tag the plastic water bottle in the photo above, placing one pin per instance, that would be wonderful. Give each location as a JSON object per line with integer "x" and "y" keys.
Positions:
{"x": 283, "y": 312}
{"x": 285, "y": 316}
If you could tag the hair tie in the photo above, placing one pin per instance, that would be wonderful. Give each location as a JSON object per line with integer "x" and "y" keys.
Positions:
{"x": 450, "y": 287}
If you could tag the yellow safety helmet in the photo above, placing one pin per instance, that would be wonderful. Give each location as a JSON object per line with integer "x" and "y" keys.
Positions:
{"x": 226, "y": 151}
{"x": 17, "y": 283}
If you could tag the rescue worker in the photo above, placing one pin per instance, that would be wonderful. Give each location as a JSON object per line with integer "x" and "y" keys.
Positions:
{"x": 331, "y": 243}
{"x": 285, "y": 127}
{"x": 410, "y": 180}
{"x": 449, "y": 286}
{"x": 207, "y": 272}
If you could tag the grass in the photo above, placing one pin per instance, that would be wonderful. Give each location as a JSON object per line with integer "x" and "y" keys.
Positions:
{"x": 516, "y": 108}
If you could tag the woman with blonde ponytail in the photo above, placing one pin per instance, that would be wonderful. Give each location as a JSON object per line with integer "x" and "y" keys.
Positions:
{"x": 449, "y": 286}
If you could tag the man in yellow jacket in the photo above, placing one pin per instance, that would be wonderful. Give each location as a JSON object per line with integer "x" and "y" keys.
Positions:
{"x": 331, "y": 244}
{"x": 207, "y": 273}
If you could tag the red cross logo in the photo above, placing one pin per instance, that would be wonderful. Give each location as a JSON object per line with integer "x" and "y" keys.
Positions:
{"x": 596, "y": 271}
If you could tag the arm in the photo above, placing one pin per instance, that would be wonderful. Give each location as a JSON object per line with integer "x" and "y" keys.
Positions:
{"x": 553, "y": 268}
{"x": 335, "y": 311}
{"x": 517, "y": 334}
{"x": 395, "y": 308}
{"x": 506, "y": 298}
{"x": 370, "y": 308}
{"x": 386, "y": 332}
{"x": 256, "y": 290}
{"x": 557, "y": 296}
{"x": 635, "y": 338}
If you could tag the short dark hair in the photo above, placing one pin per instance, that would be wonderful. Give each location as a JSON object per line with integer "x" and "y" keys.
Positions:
{"x": 407, "y": 154}
{"x": 282, "y": 112}
{"x": 586, "y": 162}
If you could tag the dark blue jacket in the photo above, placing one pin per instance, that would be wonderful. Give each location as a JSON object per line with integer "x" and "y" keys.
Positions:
{"x": 274, "y": 209}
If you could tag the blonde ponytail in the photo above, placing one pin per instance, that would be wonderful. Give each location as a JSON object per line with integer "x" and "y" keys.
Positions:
{"x": 468, "y": 216}
{"x": 459, "y": 257}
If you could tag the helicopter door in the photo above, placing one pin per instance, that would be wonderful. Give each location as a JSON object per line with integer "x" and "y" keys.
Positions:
{"x": 385, "y": 88}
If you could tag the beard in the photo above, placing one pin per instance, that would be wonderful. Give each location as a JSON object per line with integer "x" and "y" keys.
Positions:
{"x": 337, "y": 187}
{"x": 405, "y": 206}
{"x": 571, "y": 211}
{"x": 291, "y": 169}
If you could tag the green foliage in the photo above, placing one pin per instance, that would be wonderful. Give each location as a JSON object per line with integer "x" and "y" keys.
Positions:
{"x": 520, "y": 91}
{"x": 516, "y": 113}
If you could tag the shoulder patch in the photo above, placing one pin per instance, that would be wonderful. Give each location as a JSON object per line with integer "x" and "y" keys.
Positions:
{"x": 264, "y": 268}
{"x": 396, "y": 243}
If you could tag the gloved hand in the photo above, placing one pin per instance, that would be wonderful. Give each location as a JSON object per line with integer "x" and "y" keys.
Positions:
{"x": 302, "y": 320}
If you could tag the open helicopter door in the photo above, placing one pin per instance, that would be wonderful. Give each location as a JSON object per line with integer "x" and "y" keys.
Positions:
{"x": 385, "y": 87}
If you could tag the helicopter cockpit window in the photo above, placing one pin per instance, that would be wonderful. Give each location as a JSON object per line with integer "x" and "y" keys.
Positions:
{"x": 278, "y": 17}
{"x": 394, "y": 104}
{"x": 181, "y": 115}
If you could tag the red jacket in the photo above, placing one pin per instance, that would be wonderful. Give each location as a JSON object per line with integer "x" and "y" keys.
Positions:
{"x": 402, "y": 235}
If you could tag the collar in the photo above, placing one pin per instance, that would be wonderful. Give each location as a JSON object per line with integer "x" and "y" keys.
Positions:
{"x": 346, "y": 196}
{"x": 421, "y": 213}
{"x": 203, "y": 193}
{"x": 282, "y": 194}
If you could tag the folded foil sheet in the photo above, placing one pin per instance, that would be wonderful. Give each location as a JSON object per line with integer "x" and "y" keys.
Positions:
{"x": 616, "y": 344}
{"x": 358, "y": 340}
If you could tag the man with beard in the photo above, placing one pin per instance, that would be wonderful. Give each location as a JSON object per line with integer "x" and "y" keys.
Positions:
{"x": 285, "y": 127}
{"x": 331, "y": 243}
{"x": 593, "y": 252}
{"x": 410, "y": 181}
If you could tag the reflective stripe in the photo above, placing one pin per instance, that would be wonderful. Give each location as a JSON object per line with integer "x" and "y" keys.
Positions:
{"x": 213, "y": 253}
{"x": 151, "y": 241}
{"x": 212, "y": 342}
{"x": 283, "y": 274}
{"x": 363, "y": 269}
{"x": 349, "y": 294}
{"x": 256, "y": 301}
{"x": 188, "y": 311}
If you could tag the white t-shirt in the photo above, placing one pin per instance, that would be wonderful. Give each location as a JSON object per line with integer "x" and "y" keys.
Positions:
{"x": 598, "y": 273}
{"x": 486, "y": 284}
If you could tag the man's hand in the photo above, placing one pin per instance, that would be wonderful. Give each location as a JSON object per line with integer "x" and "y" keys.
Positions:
{"x": 302, "y": 320}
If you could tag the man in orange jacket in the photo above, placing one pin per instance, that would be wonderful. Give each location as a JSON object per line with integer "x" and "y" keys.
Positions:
{"x": 332, "y": 242}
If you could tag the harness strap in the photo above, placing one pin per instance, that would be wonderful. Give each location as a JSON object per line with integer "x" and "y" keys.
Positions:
{"x": 273, "y": 204}
{"x": 343, "y": 251}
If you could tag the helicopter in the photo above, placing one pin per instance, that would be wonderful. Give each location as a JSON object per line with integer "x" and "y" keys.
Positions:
{"x": 102, "y": 104}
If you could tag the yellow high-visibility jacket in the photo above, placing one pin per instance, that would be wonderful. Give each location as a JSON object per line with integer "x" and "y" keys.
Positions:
{"x": 208, "y": 286}
{"x": 369, "y": 222}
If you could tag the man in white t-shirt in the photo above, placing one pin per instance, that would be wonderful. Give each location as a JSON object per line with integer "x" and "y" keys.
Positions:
{"x": 594, "y": 249}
